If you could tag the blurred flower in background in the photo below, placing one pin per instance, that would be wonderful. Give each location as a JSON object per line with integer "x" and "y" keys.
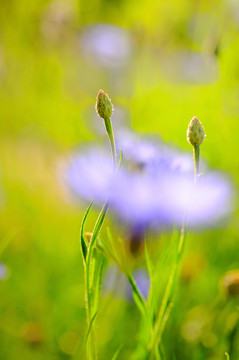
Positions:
{"x": 142, "y": 280}
{"x": 117, "y": 284}
{"x": 90, "y": 175}
{"x": 4, "y": 272}
{"x": 161, "y": 62}
{"x": 150, "y": 190}
{"x": 106, "y": 45}
{"x": 190, "y": 67}
{"x": 149, "y": 152}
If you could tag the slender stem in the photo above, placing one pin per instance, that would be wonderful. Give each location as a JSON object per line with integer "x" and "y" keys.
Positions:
{"x": 96, "y": 230}
{"x": 110, "y": 133}
{"x": 88, "y": 315}
{"x": 167, "y": 299}
{"x": 196, "y": 156}
{"x": 92, "y": 346}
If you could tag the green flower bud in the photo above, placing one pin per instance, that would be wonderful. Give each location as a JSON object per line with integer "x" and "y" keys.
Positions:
{"x": 195, "y": 132}
{"x": 104, "y": 106}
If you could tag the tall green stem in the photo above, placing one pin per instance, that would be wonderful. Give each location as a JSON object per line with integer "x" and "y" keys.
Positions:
{"x": 167, "y": 300}
{"x": 110, "y": 133}
{"x": 90, "y": 316}
{"x": 92, "y": 354}
{"x": 196, "y": 156}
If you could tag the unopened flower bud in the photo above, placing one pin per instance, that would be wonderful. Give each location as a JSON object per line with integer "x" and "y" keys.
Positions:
{"x": 195, "y": 132}
{"x": 104, "y": 106}
{"x": 230, "y": 283}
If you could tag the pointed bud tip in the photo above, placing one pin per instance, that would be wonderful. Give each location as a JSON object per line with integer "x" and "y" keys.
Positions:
{"x": 104, "y": 106}
{"x": 195, "y": 132}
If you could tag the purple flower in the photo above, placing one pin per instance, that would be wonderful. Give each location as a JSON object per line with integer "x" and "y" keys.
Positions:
{"x": 170, "y": 197}
{"x": 204, "y": 203}
{"x": 158, "y": 194}
{"x": 136, "y": 149}
{"x": 90, "y": 175}
{"x": 149, "y": 152}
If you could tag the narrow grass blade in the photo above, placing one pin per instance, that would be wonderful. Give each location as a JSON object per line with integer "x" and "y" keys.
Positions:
{"x": 110, "y": 237}
{"x": 120, "y": 159}
{"x": 149, "y": 263}
{"x": 89, "y": 269}
{"x": 107, "y": 250}
{"x": 82, "y": 240}
{"x": 227, "y": 356}
{"x": 90, "y": 328}
{"x": 138, "y": 298}
{"x": 97, "y": 228}
{"x": 118, "y": 350}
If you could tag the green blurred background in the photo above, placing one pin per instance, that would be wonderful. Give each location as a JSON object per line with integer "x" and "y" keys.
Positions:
{"x": 162, "y": 62}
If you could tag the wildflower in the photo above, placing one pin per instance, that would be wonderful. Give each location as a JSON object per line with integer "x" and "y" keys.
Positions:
{"x": 149, "y": 152}
{"x": 141, "y": 151}
{"x": 204, "y": 203}
{"x": 166, "y": 197}
{"x": 159, "y": 198}
{"x": 90, "y": 175}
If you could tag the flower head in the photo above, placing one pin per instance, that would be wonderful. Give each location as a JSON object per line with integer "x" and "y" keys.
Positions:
{"x": 149, "y": 153}
{"x": 90, "y": 175}
{"x": 158, "y": 196}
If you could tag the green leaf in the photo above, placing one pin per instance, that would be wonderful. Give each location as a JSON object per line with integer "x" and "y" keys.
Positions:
{"x": 83, "y": 244}
{"x": 110, "y": 237}
{"x": 97, "y": 285}
{"x": 149, "y": 263}
{"x": 117, "y": 352}
{"x": 227, "y": 356}
{"x": 90, "y": 271}
{"x": 151, "y": 272}
{"x": 107, "y": 250}
{"x": 97, "y": 228}
{"x": 93, "y": 263}
{"x": 153, "y": 299}
{"x": 120, "y": 159}
{"x": 90, "y": 327}
{"x": 138, "y": 298}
